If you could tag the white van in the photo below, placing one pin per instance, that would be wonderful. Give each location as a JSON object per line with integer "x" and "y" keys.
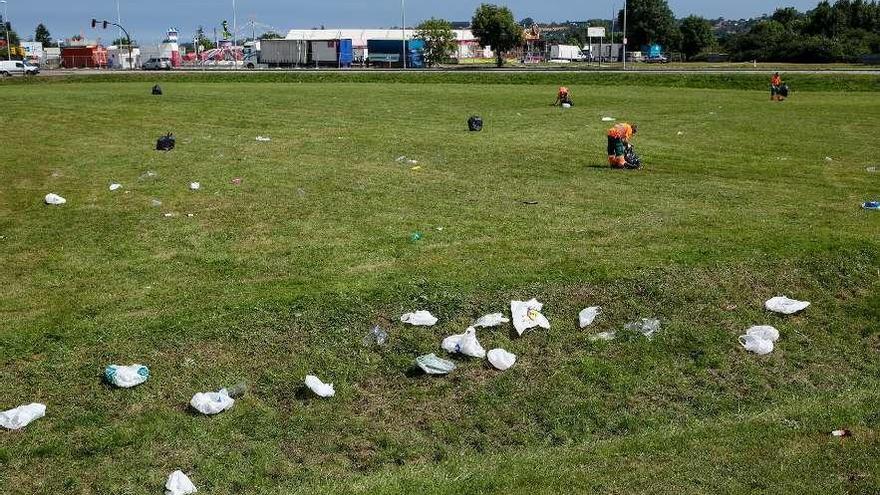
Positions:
{"x": 13, "y": 67}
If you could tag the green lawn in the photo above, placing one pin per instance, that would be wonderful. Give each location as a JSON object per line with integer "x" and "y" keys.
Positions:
{"x": 282, "y": 276}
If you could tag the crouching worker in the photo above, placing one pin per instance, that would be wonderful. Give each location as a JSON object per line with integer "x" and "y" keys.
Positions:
{"x": 778, "y": 89}
{"x": 619, "y": 146}
{"x": 563, "y": 97}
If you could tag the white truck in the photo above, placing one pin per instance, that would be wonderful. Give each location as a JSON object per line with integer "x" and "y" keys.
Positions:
{"x": 567, "y": 52}
{"x": 17, "y": 67}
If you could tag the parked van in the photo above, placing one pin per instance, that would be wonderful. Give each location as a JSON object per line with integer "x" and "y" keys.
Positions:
{"x": 16, "y": 67}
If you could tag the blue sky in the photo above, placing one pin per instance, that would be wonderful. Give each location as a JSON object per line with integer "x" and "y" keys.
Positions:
{"x": 147, "y": 20}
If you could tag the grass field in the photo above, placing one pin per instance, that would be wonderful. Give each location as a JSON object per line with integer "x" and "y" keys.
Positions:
{"x": 282, "y": 276}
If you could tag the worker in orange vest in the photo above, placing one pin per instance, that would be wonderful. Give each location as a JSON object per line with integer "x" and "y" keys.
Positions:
{"x": 619, "y": 138}
{"x": 563, "y": 97}
{"x": 776, "y": 88}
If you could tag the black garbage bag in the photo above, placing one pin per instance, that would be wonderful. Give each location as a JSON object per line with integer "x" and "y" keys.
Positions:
{"x": 157, "y": 90}
{"x": 633, "y": 161}
{"x": 165, "y": 143}
{"x": 783, "y": 90}
{"x": 475, "y": 123}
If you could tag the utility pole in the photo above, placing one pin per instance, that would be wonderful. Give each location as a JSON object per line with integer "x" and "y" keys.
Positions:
{"x": 403, "y": 28}
{"x": 624, "y": 35}
{"x": 6, "y": 25}
{"x": 118, "y": 19}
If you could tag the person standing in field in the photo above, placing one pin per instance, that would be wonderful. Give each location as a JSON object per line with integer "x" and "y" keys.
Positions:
{"x": 619, "y": 143}
{"x": 776, "y": 88}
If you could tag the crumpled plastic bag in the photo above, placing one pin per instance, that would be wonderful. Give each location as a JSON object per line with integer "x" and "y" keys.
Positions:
{"x": 432, "y": 365}
{"x": 501, "y": 359}
{"x": 54, "y": 199}
{"x": 263, "y": 139}
{"x": 587, "y": 315}
{"x": 21, "y": 416}
{"x": 491, "y": 320}
{"x": 376, "y": 336}
{"x": 608, "y": 119}
{"x": 603, "y": 336}
{"x": 765, "y": 332}
{"x": 126, "y": 376}
{"x": 320, "y": 388}
{"x": 212, "y": 402}
{"x": 784, "y": 305}
{"x": 419, "y": 318}
{"x": 646, "y": 326}
{"x": 179, "y": 484}
{"x": 195, "y": 186}
{"x": 527, "y": 315}
{"x": 115, "y": 186}
{"x": 756, "y": 344}
{"x": 465, "y": 343}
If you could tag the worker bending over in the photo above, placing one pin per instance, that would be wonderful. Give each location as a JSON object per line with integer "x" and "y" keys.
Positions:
{"x": 563, "y": 97}
{"x": 619, "y": 146}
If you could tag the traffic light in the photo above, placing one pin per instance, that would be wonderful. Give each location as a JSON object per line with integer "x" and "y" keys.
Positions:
{"x": 105, "y": 24}
{"x": 94, "y": 23}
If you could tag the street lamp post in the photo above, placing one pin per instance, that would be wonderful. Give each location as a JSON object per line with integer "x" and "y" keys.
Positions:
{"x": 403, "y": 28}
{"x": 6, "y": 25}
{"x": 624, "y": 35}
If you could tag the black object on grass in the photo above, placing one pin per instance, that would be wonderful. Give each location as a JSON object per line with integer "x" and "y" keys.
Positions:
{"x": 157, "y": 90}
{"x": 165, "y": 143}
{"x": 475, "y": 123}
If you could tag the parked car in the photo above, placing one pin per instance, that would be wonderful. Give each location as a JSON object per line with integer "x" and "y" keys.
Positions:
{"x": 657, "y": 59}
{"x": 17, "y": 67}
{"x": 157, "y": 64}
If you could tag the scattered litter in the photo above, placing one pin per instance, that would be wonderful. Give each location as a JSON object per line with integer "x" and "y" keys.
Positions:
{"x": 179, "y": 484}
{"x": 415, "y": 236}
{"x": 237, "y": 390}
{"x": 126, "y": 376}
{"x": 433, "y": 365}
{"x": 586, "y": 317}
{"x": 841, "y": 433}
{"x": 754, "y": 343}
{"x": 529, "y": 202}
{"x": 871, "y": 169}
{"x": 320, "y": 388}
{"x": 190, "y": 215}
{"x": 465, "y": 343}
{"x": 419, "y": 319}
{"x": 148, "y": 174}
{"x": 871, "y": 205}
{"x": 376, "y": 336}
{"x": 301, "y": 192}
{"x": 527, "y": 315}
{"x": 439, "y": 229}
{"x": 491, "y": 320}
{"x": 646, "y": 326}
{"x": 115, "y": 186}
{"x": 155, "y": 203}
{"x": 829, "y": 159}
{"x": 604, "y": 336}
{"x": 401, "y": 159}
{"x": 416, "y": 168}
{"x": 765, "y": 332}
{"x": 263, "y": 139}
{"x": 785, "y": 305}
{"x": 501, "y": 359}
{"x": 679, "y": 133}
{"x": 412, "y": 162}
{"x": 168, "y": 215}
{"x": 566, "y": 105}
{"x": 54, "y": 199}
{"x": 212, "y": 402}
{"x": 194, "y": 186}
{"x": 236, "y": 181}
{"x": 608, "y": 119}
{"x": 165, "y": 143}
{"x": 730, "y": 307}
{"x": 21, "y": 416}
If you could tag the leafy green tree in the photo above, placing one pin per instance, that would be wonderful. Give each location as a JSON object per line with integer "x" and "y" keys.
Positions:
{"x": 440, "y": 40}
{"x": 203, "y": 42}
{"x": 527, "y": 22}
{"x": 13, "y": 36}
{"x": 271, "y": 35}
{"x": 494, "y": 26}
{"x": 649, "y": 21}
{"x": 41, "y": 35}
{"x": 124, "y": 42}
{"x": 696, "y": 35}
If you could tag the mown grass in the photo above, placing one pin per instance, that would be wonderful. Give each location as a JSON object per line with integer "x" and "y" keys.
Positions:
{"x": 283, "y": 275}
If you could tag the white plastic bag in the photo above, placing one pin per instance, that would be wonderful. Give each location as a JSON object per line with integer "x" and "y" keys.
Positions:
{"x": 419, "y": 318}
{"x": 54, "y": 199}
{"x": 646, "y": 326}
{"x": 465, "y": 343}
{"x": 115, "y": 186}
{"x": 527, "y": 315}
{"x": 604, "y": 337}
{"x": 194, "y": 186}
{"x": 263, "y": 139}
{"x": 765, "y": 332}
{"x": 21, "y": 416}
{"x": 179, "y": 484}
{"x": 432, "y": 365}
{"x": 126, "y": 376}
{"x": 212, "y": 402}
{"x": 320, "y": 388}
{"x": 608, "y": 119}
{"x": 587, "y": 316}
{"x": 784, "y": 305}
{"x": 491, "y": 320}
{"x": 501, "y": 359}
{"x": 756, "y": 344}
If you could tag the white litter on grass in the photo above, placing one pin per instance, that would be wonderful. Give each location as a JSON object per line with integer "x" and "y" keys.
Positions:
{"x": 501, "y": 359}
{"x": 871, "y": 169}
{"x": 54, "y": 199}
{"x": 604, "y": 337}
{"x": 155, "y": 203}
{"x": 432, "y": 365}
{"x": 759, "y": 339}
{"x": 212, "y": 402}
{"x": 566, "y": 105}
{"x": 194, "y": 186}
{"x": 679, "y": 133}
{"x": 21, "y": 416}
{"x": 320, "y": 388}
{"x": 115, "y": 186}
{"x": 829, "y": 159}
{"x": 765, "y": 332}
{"x": 179, "y": 484}
{"x": 126, "y": 376}
{"x": 784, "y": 305}
{"x": 608, "y": 119}
{"x": 465, "y": 343}
{"x": 646, "y": 326}
{"x": 263, "y": 139}
{"x": 419, "y": 319}
{"x": 587, "y": 315}
{"x": 491, "y": 320}
{"x": 527, "y": 315}
{"x": 168, "y": 215}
